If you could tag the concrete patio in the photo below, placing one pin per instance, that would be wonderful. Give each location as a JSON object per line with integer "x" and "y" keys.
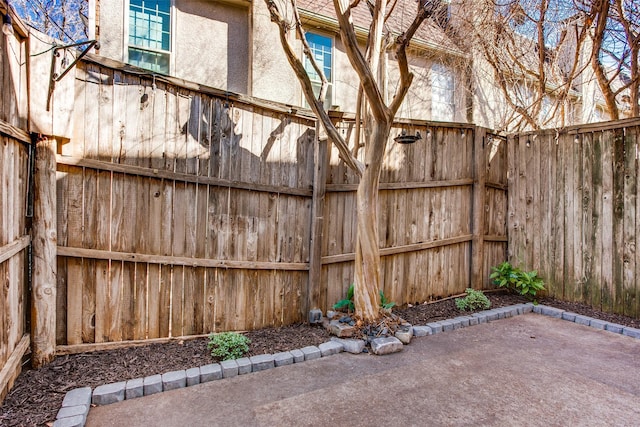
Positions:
{"x": 525, "y": 370}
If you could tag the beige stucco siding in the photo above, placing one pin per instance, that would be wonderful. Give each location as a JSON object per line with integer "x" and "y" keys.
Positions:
{"x": 211, "y": 44}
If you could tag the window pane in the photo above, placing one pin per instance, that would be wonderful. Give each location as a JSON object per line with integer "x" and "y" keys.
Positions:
{"x": 154, "y": 61}
{"x": 322, "y": 51}
{"x": 442, "y": 93}
{"x": 150, "y": 24}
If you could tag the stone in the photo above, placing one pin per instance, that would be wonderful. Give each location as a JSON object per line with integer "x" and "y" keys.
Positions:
{"x": 284, "y": 358}
{"x": 464, "y": 321}
{"x": 193, "y": 376}
{"x": 72, "y": 411}
{"x": 528, "y": 308}
{"x": 631, "y": 332}
{"x": 571, "y": 317}
{"x": 404, "y": 334}
{"x": 262, "y": 362}
{"x": 481, "y": 316}
{"x": 422, "y": 331}
{"x": 77, "y": 396}
{"x": 134, "y": 388}
{"x": 345, "y": 319}
{"x": 210, "y": 372}
{"x": 582, "y": 320}
{"x": 311, "y": 352}
{"x": 492, "y": 315}
{"x": 614, "y": 327}
{"x": 229, "y": 368}
{"x": 315, "y": 316}
{"x": 330, "y": 347}
{"x": 448, "y": 325}
{"x": 598, "y": 324}
{"x": 109, "y": 393}
{"x": 174, "y": 380}
{"x": 298, "y": 356}
{"x": 77, "y": 421}
{"x": 341, "y": 330}
{"x": 386, "y": 345}
{"x": 244, "y": 365}
{"x": 350, "y": 345}
{"x": 435, "y": 327}
{"x": 551, "y": 311}
{"x": 331, "y": 314}
{"x": 152, "y": 384}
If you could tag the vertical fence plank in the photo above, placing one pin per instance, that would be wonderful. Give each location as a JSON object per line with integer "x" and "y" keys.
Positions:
{"x": 629, "y": 294}
{"x": 478, "y": 208}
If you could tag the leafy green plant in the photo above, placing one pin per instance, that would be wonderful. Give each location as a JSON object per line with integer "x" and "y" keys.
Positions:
{"x": 384, "y": 303}
{"x": 475, "y": 300}
{"x": 525, "y": 283}
{"x": 228, "y": 345}
{"x": 348, "y": 301}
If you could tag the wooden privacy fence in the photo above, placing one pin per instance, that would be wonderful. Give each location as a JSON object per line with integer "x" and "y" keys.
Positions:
{"x": 14, "y": 237}
{"x": 182, "y": 212}
{"x": 574, "y": 214}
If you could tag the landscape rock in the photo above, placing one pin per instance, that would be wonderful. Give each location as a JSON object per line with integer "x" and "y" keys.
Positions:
{"x": 404, "y": 334}
{"x": 435, "y": 327}
{"x": 298, "y": 356}
{"x": 330, "y": 347}
{"x": 386, "y": 345}
{"x": 229, "y": 368}
{"x": 72, "y": 411}
{"x": 422, "y": 331}
{"x": 351, "y": 345}
{"x": 311, "y": 352}
{"x": 174, "y": 380}
{"x": 315, "y": 316}
{"x": 193, "y": 376}
{"x": 244, "y": 365}
{"x": 77, "y": 421}
{"x": 341, "y": 330}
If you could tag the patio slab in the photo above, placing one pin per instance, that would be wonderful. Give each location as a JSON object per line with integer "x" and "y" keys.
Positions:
{"x": 524, "y": 370}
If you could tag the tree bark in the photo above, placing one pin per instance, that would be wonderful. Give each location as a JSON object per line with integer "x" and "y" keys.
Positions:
{"x": 43, "y": 305}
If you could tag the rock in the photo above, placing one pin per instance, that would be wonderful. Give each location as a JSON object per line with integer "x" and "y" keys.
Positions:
{"x": 351, "y": 346}
{"x": 79, "y": 396}
{"x": 331, "y": 314}
{"x": 134, "y": 388}
{"x": 345, "y": 319}
{"x": 311, "y": 352}
{"x": 341, "y": 330}
{"x": 109, "y": 393}
{"x": 387, "y": 345}
{"x": 422, "y": 331}
{"x": 174, "y": 380}
{"x": 210, "y": 372}
{"x": 404, "y": 334}
{"x": 315, "y": 316}
{"x": 262, "y": 362}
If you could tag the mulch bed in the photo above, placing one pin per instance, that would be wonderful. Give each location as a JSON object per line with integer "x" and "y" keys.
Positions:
{"x": 37, "y": 395}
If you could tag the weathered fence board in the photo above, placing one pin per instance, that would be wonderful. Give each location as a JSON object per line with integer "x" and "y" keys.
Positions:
{"x": 584, "y": 244}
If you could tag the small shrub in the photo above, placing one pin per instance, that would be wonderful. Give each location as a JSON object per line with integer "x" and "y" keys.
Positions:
{"x": 522, "y": 282}
{"x": 349, "y": 305}
{"x": 347, "y": 302}
{"x": 475, "y": 300}
{"x": 228, "y": 345}
{"x": 384, "y": 303}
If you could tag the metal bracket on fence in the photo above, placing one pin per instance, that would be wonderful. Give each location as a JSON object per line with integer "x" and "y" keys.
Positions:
{"x": 55, "y": 77}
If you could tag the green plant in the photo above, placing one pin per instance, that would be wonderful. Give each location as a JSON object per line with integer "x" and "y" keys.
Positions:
{"x": 475, "y": 300}
{"x": 228, "y": 345}
{"x": 348, "y": 301}
{"x": 384, "y": 303}
{"x": 525, "y": 283}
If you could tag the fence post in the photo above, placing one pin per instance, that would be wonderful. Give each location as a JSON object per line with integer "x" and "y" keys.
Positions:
{"x": 478, "y": 209}
{"x": 43, "y": 293}
{"x": 320, "y": 160}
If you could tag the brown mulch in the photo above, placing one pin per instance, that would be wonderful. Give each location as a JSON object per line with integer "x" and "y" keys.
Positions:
{"x": 37, "y": 395}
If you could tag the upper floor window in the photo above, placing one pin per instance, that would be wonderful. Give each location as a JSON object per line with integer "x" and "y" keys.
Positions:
{"x": 150, "y": 34}
{"x": 442, "y": 93}
{"x": 322, "y": 51}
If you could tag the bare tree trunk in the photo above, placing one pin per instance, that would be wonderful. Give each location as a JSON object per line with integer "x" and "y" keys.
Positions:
{"x": 367, "y": 266}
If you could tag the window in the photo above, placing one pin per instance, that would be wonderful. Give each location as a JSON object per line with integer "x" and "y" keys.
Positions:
{"x": 150, "y": 34}
{"x": 322, "y": 51}
{"x": 442, "y": 90}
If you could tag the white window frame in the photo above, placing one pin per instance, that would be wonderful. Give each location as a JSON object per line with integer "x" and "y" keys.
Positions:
{"x": 172, "y": 32}
{"x": 328, "y": 102}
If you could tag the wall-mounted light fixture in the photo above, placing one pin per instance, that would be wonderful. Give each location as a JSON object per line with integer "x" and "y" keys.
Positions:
{"x": 7, "y": 22}
{"x": 405, "y": 138}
